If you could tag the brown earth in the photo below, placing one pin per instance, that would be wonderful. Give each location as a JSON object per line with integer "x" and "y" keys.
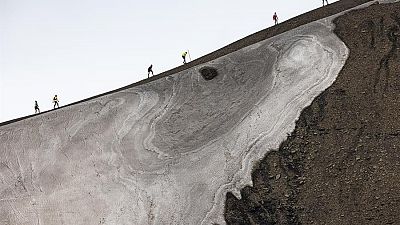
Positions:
{"x": 341, "y": 164}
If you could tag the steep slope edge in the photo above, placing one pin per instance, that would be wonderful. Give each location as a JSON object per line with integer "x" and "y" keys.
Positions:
{"x": 341, "y": 163}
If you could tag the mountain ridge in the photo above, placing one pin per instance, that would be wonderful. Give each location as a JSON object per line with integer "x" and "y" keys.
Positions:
{"x": 269, "y": 32}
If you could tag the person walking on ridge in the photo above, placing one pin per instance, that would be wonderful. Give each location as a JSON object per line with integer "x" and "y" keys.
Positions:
{"x": 275, "y": 18}
{"x": 150, "y": 70}
{"x": 184, "y": 57}
{"x": 323, "y": 2}
{"x": 37, "y": 110}
{"x": 55, "y": 100}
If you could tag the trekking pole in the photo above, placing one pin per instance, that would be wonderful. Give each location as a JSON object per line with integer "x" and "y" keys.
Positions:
{"x": 189, "y": 55}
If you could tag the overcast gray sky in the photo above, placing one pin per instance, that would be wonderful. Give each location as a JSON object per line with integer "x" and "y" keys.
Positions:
{"x": 80, "y": 48}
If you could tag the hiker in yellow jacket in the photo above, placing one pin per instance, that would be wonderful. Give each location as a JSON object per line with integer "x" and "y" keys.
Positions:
{"x": 184, "y": 57}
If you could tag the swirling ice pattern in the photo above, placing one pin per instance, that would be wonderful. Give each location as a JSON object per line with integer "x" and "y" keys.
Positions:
{"x": 165, "y": 152}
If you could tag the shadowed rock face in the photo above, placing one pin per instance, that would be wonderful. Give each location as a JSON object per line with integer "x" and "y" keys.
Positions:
{"x": 165, "y": 152}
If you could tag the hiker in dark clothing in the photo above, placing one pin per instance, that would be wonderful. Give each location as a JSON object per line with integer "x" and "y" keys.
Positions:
{"x": 37, "y": 110}
{"x": 275, "y": 18}
{"x": 55, "y": 100}
{"x": 150, "y": 70}
{"x": 323, "y": 2}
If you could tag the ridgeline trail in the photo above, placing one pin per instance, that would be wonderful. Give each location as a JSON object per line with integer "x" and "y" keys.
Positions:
{"x": 249, "y": 40}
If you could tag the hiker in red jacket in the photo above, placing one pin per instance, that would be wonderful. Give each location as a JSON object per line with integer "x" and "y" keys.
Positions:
{"x": 323, "y": 2}
{"x": 275, "y": 18}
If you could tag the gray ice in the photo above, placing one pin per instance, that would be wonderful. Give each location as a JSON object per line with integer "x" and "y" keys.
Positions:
{"x": 165, "y": 152}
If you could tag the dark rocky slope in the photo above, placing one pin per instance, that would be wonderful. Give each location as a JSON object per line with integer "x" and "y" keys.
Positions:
{"x": 341, "y": 165}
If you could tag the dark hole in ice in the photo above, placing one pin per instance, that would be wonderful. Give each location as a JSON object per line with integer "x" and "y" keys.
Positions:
{"x": 208, "y": 73}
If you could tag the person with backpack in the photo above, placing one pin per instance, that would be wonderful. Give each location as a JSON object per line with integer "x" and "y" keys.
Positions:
{"x": 37, "y": 110}
{"x": 275, "y": 18}
{"x": 55, "y": 100}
